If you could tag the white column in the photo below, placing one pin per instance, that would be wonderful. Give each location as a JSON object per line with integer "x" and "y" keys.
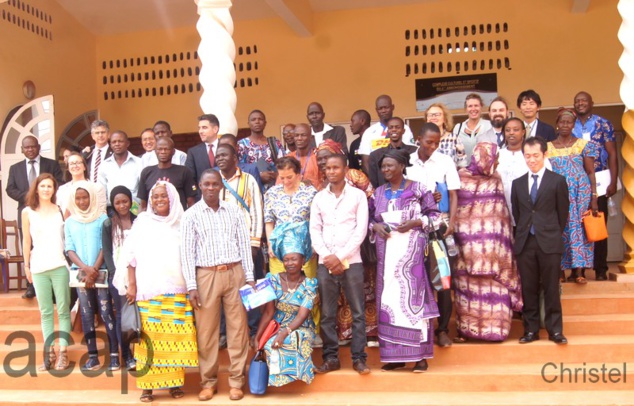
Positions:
{"x": 626, "y": 63}
{"x": 217, "y": 51}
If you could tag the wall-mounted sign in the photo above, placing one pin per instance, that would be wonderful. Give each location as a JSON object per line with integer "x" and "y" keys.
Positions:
{"x": 452, "y": 90}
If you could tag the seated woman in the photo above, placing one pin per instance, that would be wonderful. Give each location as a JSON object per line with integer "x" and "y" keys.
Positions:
{"x": 486, "y": 281}
{"x": 156, "y": 282}
{"x": 288, "y": 353}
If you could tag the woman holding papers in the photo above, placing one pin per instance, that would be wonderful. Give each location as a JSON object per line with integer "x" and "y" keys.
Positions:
{"x": 288, "y": 353}
{"x": 156, "y": 283}
{"x": 401, "y": 215}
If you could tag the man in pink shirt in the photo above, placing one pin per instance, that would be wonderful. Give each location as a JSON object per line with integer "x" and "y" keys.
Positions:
{"x": 338, "y": 226}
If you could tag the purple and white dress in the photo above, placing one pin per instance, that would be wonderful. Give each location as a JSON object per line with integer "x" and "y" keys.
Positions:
{"x": 405, "y": 299}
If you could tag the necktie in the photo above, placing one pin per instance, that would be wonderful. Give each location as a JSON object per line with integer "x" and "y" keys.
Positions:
{"x": 500, "y": 136}
{"x": 95, "y": 170}
{"x": 528, "y": 130}
{"x": 534, "y": 197}
{"x": 32, "y": 174}
{"x": 212, "y": 159}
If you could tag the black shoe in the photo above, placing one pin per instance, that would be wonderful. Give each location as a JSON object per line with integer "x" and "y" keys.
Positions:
{"x": 392, "y": 366}
{"x": 420, "y": 366}
{"x": 30, "y": 293}
{"x": 330, "y": 365}
{"x": 558, "y": 338}
{"x": 601, "y": 276}
{"x": 529, "y": 337}
{"x": 360, "y": 366}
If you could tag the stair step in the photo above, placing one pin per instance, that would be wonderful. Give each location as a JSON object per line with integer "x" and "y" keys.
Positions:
{"x": 444, "y": 378}
{"x": 598, "y": 303}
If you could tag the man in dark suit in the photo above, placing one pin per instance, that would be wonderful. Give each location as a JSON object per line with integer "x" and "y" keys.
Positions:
{"x": 22, "y": 174}
{"x": 202, "y": 156}
{"x": 96, "y": 154}
{"x": 529, "y": 104}
{"x": 322, "y": 131}
{"x": 540, "y": 207}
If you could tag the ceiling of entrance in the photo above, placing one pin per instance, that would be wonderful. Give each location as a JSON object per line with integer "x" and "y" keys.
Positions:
{"x": 123, "y": 16}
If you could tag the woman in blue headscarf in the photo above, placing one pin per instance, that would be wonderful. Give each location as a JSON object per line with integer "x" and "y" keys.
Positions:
{"x": 288, "y": 353}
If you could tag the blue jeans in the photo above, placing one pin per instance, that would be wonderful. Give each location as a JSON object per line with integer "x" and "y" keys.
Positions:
{"x": 117, "y": 299}
{"x": 87, "y": 298}
{"x": 352, "y": 283}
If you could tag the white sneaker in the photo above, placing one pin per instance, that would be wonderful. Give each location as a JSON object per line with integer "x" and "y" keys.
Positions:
{"x": 318, "y": 343}
{"x": 373, "y": 343}
{"x": 343, "y": 343}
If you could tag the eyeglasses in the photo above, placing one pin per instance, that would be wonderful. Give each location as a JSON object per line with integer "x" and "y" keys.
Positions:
{"x": 75, "y": 163}
{"x": 434, "y": 115}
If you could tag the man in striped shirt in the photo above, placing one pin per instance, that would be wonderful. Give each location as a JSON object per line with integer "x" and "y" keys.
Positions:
{"x": 216, "y": 261}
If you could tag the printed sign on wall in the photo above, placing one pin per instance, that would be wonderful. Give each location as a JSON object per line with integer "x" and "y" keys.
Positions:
{"x": 452, "y": 90}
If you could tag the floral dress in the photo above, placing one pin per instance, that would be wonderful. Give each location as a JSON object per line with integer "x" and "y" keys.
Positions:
{"x": 568, "y": 162}
{"x": 293, "y": 360}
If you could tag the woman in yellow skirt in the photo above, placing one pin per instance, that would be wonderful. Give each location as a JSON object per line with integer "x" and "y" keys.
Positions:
{"x": 156, "y": 282}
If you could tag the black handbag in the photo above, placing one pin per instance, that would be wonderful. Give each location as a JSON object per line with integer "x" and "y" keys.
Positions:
{"x": 130, "y": 322}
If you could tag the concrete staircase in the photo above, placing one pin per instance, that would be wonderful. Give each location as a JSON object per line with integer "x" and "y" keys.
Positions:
{"x": 598, "y": 321}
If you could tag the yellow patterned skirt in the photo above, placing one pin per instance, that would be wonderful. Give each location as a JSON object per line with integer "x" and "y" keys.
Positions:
{"x": 169, "y": 341}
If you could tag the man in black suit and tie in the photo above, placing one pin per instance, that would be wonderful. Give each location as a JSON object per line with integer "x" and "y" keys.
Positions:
{"x": 22, "y": 174}
{"x": 202, "y": 156}
{"x": 540, "y": 207}
{"x": 96, "y": 154}
{"x": 529, "y": 104}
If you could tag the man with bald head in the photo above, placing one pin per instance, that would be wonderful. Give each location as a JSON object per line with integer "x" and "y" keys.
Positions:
{"x": 305, "y": 154}
{"x": 178, "y": 175}
{"x": 591, "y": 127}
{"x": 322, "y": 131}
{"x": 22, "y": 174}
{"x": 377, "y": 135}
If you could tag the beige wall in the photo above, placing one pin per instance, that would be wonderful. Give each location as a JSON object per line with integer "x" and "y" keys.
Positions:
{"x": 352, "y": 57}
{"x": 63, "y": 67}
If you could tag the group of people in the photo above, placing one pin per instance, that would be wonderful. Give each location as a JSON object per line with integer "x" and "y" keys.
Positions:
{"x": 342, "y": 233}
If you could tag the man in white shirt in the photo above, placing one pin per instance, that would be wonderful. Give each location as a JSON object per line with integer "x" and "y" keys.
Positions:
{"x": 95, "y": 155}
{"x": 122, "y": 168}
{"x": 148, "y": 141}
{"x": 529, "y": 104}
{"x": 322, "y": 131}
{"x": 377, "y": 136}
{"x": 430, "y": 167}
{"x": 338, "y": 226}
{"x": 163, "y": 129}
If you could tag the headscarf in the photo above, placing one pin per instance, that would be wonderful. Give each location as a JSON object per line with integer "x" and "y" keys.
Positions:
{"x": 92, "y": 213}
{"x": 117, "y": 190}
{"x": 331, "y": 146}
{"x": 562, "y": 111}
{"x": 399, "y": 155}
{"x": 483, "y": 158}
{"x": 176, "y": 209}
{"x": 291, "y": 238}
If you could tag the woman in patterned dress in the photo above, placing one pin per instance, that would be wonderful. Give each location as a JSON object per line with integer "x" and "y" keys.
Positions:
{"x": 288, "y": 353}
{"x": 156, "y": 283}
{"x": 486, "y": 281}
{"x": 573, "y": 158}
{"x": 401, "y": 212}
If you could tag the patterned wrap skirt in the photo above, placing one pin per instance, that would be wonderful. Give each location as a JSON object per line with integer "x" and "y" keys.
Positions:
{"x": 168, "y": 344}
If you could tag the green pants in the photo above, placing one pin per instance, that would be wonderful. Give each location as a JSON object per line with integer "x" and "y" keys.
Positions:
{"x": 47, "y": 284}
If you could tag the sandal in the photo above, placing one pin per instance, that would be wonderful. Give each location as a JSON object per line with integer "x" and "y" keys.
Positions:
{"x": 146, "y": 396}
{"x": 581, "y": 280}
{"x": 177, "y": 393}
{"x": 49, "y": 360}
{"x": 62, "y": 361}
{"x": 459, "y": 340}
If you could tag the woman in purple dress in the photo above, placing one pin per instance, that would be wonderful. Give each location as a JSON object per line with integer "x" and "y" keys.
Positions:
{"x": 401, "y": 214}
{"x": 486, "y": 281}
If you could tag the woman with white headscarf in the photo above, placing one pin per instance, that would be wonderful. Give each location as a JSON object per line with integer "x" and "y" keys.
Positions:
{"x": 84, "y": 248}
{"x": 156, "y": 283}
